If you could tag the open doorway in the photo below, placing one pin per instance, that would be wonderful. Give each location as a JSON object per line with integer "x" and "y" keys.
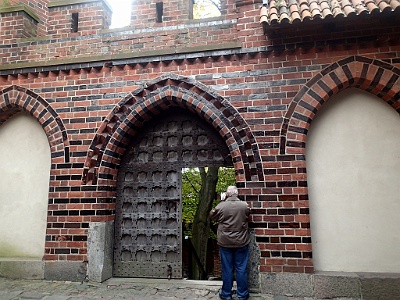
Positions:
{"x": 148, "y": 224}
{"x": 201, "y": 190}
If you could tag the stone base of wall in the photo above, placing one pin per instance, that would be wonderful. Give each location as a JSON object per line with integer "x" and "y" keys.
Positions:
{"x": 20, "y": 268}
{"x": 100, "y": 251}
{"x": 328, "y": 285}
{"x": 321, "y": 285}
{"x": 65, "y": 270}
{"x": 254, "y": 264}
{"x": 99, "y": 269}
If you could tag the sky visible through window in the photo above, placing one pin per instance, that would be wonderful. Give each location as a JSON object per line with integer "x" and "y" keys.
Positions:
{"x": 121, "y": 13}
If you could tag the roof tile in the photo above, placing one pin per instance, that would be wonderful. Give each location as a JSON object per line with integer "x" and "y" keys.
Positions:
{"x": 275, "y": 12}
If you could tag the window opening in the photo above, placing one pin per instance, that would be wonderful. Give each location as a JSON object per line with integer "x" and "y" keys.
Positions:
{"x": 121, "y": 13}
{"x": 74, "y": 22}
{"x": 202, "y": 9}
{"x": 159, "y": 11}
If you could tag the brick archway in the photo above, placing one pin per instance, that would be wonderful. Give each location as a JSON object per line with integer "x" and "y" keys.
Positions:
{"x": 170, "y": 90}
{"x": 372, "y": 75}
{"x": 14, "y": 99}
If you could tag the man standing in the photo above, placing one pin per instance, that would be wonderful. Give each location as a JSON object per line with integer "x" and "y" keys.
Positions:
{"x": 233, "y": 240}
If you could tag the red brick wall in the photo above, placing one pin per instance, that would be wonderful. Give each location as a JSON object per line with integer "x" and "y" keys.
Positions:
{"x": 92, "y": 16}
{"x": 41, "y": 10}
{"x": 148, "y": 36}
{"x": 15, "y": 25}
{"x": 260, "y": 97}
{"x": 175, "y": 12}
{"x": 55, "y": 20}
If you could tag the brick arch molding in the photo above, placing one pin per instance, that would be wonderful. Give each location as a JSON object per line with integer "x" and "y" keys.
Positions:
{"x": 372, "y": 75}
{"x": 141, "y": 105}
{"x": 14, "y": 99}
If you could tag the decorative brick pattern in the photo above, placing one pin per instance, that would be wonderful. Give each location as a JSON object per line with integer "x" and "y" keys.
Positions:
{"x": 374, "y": 76}
{"x": 15, "y": 98}
{"x": 143, "y": 104}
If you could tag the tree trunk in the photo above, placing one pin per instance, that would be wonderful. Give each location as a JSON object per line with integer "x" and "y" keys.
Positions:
{"x": 201, "y": 223}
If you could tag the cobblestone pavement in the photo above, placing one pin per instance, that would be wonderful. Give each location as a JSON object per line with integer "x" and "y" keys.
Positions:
{"x": 117, "y": 288}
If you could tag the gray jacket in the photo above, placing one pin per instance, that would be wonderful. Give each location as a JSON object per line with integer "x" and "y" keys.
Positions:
{"x": 231, "y": 215}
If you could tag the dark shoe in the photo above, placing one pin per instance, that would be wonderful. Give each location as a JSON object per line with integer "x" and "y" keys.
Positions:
{"x": 244, "y": 298}
{"x": 224, "y": 298}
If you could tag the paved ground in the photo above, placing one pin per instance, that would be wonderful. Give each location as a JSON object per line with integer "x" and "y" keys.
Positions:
{"x": 115, "y": 288}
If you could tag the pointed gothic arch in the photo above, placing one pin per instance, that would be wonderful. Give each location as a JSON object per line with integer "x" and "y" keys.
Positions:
{"x": 372, "y": 75}
{"x": 14, "y": 99}
{"x": 158, "y": 95}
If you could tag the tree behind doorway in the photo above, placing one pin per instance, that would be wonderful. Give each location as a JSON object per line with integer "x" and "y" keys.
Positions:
{"x": 200, "y": 187}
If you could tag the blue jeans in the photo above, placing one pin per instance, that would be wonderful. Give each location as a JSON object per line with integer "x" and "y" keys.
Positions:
{"x": 234, "y": 259}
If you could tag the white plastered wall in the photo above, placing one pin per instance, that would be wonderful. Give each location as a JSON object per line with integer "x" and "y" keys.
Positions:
{"x": 25, "y": 161}
{"x": 353, "y": 169}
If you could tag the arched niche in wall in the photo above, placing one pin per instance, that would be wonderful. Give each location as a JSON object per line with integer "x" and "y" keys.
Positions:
{"x": 25, "y": 162}
{"x": 353, "y": 168}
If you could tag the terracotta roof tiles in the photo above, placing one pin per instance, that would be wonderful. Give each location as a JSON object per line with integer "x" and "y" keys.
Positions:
{"x": 275, "y": 12}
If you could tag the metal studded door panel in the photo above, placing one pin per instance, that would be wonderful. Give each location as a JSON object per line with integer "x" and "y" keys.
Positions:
{"x": 148, "y": 213}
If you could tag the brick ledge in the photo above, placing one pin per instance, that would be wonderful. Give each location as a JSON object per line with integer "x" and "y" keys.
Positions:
{"x": 122, "y": 56}
{"x": 56, "y": 3}
{"x": 20, "y": 8}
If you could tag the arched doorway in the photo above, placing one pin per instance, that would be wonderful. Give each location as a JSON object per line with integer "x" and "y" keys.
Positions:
{"x": 148, "y": 233}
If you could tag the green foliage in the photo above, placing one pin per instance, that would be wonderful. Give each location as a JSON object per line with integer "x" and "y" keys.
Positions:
{"x": 191, "y": 184}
